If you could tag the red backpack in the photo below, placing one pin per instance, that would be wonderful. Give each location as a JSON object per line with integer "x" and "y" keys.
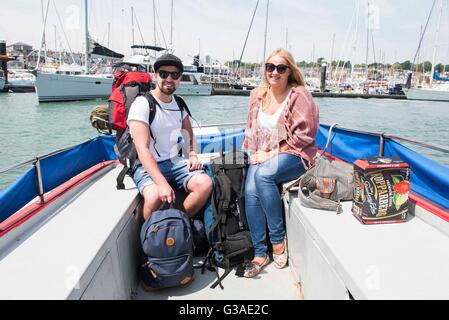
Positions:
{"x": 125, "y": 89}
{"x": 127, "y": 86}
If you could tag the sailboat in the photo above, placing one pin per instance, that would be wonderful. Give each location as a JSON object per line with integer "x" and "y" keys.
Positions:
{"x": 69, "y": 84}
{"x": 435, "y": 91}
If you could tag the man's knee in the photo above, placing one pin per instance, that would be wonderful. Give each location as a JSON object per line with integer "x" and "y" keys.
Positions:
{"x": 151, "y": 198}
{"x": 200, "y": 183}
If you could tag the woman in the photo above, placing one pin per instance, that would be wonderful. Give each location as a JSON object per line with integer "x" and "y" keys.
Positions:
{"x": 280, "y": 140}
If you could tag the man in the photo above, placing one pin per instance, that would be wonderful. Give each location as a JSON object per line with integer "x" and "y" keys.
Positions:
{"x": 159, "y": 169}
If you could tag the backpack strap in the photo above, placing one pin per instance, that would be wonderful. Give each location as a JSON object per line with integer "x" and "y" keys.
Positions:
{"x": 131, "y": 159}
{"x": 224, "y": 181}
{"x": 152, "y": 102}
{"x": 121, "y": 176}
{"x": 153, "y": 105}
{"x": 182, "y": 105}
{"x": 220, "y": 279}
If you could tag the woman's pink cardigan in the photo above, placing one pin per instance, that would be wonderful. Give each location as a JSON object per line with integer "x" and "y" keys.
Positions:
{"x": 300, "y": 119}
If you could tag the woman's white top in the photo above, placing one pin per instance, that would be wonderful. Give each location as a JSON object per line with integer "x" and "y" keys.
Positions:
{"x": 268, "y": 122}
{"x": 269, "y": 128}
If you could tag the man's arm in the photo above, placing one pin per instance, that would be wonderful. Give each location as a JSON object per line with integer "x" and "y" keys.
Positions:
{"x": 194, "y": 163}
{"x": 141, "y": 137}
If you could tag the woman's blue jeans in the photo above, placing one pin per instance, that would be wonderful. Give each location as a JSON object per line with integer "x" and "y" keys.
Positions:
{"x": 262, "y": 198}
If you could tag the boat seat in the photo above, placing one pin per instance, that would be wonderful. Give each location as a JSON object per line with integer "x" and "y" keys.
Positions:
{"x": 59, "y": 257}
{"x": 337, "y": 257}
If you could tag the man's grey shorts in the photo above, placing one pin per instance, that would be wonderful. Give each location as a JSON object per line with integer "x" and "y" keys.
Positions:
{"x": 175, "y": 170}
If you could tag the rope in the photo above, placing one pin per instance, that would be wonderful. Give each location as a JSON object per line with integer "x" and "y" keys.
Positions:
{"x": 99, "y": 118}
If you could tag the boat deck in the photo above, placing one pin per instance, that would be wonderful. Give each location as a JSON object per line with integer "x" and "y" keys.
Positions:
{"x": 270, "y": 284}
{"x": 86, "y": 246}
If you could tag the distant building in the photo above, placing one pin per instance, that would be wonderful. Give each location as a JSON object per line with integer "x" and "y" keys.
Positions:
{"x": 19, "y": 48}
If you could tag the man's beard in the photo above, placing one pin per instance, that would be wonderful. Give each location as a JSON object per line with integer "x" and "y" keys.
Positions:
{"x": 167, "y": 91}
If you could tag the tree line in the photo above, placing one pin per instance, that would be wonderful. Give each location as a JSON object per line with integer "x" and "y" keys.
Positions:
{"x": 407, "y": 65}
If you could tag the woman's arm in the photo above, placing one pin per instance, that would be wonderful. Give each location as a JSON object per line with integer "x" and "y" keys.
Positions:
{"x": 302, "y": 121}
{"x": 248, "y": 142}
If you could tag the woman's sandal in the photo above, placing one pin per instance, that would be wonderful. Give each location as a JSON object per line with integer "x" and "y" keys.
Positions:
{"x": 253, "y": 268}
{"x": 281, "y": 260}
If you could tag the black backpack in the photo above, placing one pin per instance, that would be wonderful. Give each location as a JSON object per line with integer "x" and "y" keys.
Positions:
{"x": 225, "y": 223}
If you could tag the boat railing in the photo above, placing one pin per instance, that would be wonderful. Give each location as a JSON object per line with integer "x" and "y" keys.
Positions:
{"x": 382, "y": 137}
{"x": 222, "y": 125}
{"x": 36, "y": 161}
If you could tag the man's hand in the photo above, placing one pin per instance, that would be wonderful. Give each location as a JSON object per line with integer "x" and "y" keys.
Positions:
{"x": 194, "y": 163}
{"x": 166, "y": 193}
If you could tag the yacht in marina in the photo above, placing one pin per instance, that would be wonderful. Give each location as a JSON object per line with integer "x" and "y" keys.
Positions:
{"x": 438, "y": 86}
{"x": 439, "y": 92}
{"x": 20, "y": 77}
{"x": 71, "y": 83}
{"x": 67, "y": 84}
{"x": 92, "y": 81}
{"x": 191, "y": 80}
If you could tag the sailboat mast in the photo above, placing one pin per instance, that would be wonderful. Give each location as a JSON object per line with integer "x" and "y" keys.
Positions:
{"x": 56, "y": 41}
{"x": 354, "y": 44}
{"x": 171, "y": 26}
{"x": 154, "y": 22}
{"x": 367, "y": 43}
{"x": 132, "y": 28}
{"x": 332, "y": 56}
{"x": 44, "y": 41}
{"x": 265, "y": 37}
{"x": 42, "y": 36}
{"x": 86, "y": 30}
{"x": 436, "y": 43}
{"x": 109, "y": 34}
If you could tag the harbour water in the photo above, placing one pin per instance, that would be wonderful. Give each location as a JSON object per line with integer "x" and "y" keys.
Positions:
{"x": 29, "y": 129}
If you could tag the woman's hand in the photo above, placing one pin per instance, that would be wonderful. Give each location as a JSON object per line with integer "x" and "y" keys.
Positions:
{"x": 261, "y": 156}
{"x": 194, "y": 163}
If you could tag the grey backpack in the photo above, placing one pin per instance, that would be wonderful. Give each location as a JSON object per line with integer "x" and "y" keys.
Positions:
{"x": 325, "y": 184}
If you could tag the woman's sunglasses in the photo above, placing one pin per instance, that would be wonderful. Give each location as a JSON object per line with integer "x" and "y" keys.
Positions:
{"x": 281, "y": 68}
{"x": 174, "y": 74}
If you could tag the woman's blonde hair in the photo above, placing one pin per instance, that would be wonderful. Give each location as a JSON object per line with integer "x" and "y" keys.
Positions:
{"x": 294, "y": 79}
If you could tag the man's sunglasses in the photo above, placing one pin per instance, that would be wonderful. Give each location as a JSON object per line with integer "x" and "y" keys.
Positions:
{"x": 174, "y": 74}
{"x": 281, "y": 68}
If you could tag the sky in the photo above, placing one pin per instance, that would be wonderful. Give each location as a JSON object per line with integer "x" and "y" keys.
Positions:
{"x": 310, "y": 29}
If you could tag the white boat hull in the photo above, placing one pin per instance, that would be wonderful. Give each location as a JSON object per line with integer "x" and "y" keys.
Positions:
{"x": 187, "y": 89}
{"x": 60, "y": 87}
{"x": 427, "y": 94}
